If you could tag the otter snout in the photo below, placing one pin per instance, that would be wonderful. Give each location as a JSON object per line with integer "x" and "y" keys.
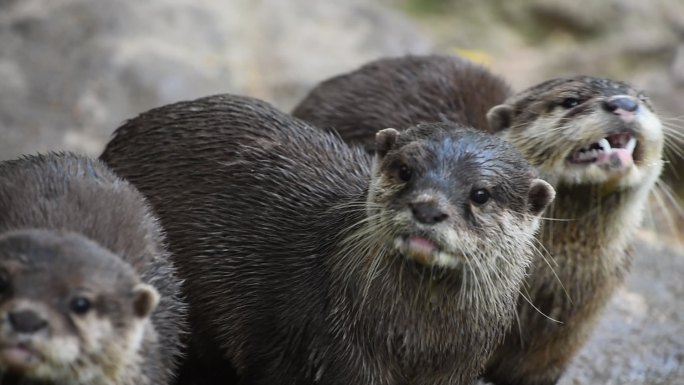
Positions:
{"x": 26, "y": 321}
{"x": 623, "y": 106}
{"x": 428, "y": 212}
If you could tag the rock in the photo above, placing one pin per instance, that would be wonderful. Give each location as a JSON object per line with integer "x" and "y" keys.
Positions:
{"x": 640, "y": 338}
{"x": 73, "y": 70}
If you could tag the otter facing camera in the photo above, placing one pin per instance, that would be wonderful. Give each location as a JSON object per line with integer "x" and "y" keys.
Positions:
{"x": 146, "y": 299}
{"x": 385, "y": 140}
{"x": 541, "y": 195}
{"x": 499, "y": 117}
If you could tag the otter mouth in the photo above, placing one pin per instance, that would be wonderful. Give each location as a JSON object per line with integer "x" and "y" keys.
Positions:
{"x": 615, "y": 152}
{"x": 424, "y": 251}
{"x": 20, "y": 356}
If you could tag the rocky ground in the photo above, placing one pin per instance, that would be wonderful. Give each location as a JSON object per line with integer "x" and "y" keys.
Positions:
{"x": 72, "y": 70}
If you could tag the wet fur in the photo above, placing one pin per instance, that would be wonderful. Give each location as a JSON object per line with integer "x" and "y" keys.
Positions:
{"x": 289, "y": 266}
{"x": 70, "y": 197}
{"x": 401, "y": 93}
{"x": 592, "y": 219}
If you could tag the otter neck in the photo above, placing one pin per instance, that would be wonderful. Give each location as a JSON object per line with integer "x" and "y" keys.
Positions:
{"x": 595, "y": 217}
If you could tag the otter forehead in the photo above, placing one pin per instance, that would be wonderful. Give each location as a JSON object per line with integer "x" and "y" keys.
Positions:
{"x": 586, "y": 85}
{"x": 459, "y": 152}
{"x": 61, "y": 261}
{"x": 455, "y": 161}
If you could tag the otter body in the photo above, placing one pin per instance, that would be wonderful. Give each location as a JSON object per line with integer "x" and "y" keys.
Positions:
{"x": 305, "y": 263}
{"x": 596, "y": 141}
{"x": 87, "y": 291}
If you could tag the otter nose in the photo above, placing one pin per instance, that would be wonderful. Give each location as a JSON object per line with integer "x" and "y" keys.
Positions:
{"x": 624, "y": 103}
{"x": 427, "y": 212}
{"x": 26, "y": 321}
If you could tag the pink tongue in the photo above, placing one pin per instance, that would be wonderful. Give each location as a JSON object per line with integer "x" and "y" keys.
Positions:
{"x": 420, "y": 243}
{"x": 616, "y": 159}
{"x": 421, "y": 249}
{"x": 18, "y": 356}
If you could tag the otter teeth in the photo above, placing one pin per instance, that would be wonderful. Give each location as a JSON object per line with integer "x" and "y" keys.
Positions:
{"x": 604, "y": 144}
{"x": 631, "y": 144}
{"x": 620, "y": 145}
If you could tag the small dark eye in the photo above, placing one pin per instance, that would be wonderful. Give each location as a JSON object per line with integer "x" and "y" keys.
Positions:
{"x": 479, "y": 196}
{"x": 80, "y": 305}
{"x": 569, "y": 102}
{"x": 405, "y": 173}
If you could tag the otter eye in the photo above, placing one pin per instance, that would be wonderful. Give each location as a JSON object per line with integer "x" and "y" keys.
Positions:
{"x": 480, "y": 196}
{"x": 569, "y": 102}
{"x": 80, "y": 305}
{"x": 405, "y": 173}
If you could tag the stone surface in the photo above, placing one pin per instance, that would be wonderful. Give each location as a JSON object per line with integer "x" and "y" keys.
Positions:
{"x": 640, "y": 338}
{"x": 72, "y": 70}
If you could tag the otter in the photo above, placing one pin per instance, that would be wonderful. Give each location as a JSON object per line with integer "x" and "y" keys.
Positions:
{"x": 87, "y": 291}
{"x": 307, "y": 263}
{"x": 597, "y": 141}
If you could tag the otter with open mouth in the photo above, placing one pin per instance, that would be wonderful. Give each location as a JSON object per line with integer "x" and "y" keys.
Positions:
{"x": 600, "y": 144}
{"x": 597, "y": 141}
{"x": 306, "y": 263}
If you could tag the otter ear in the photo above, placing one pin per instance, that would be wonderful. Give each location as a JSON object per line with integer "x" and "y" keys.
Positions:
{"x": 385, "y": 140}
{"x": 541, "y": 195}
{"x": 146, "y": 299}
{"x": 499, "y": 117}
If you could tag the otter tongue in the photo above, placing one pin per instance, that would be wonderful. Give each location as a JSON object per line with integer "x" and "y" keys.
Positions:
{"x": 615, "y": 159}
{"x": 18, "y": 356}
{"x": 421, "y": 249}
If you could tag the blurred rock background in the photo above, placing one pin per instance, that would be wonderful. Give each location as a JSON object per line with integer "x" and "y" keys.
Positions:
{"x": 71, "y": 71}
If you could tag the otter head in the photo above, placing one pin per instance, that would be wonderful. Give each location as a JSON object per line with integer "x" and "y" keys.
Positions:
{"x": 584, "y": 131}
{"x": 450, "y": 197}
{"x": 70, "y": 311}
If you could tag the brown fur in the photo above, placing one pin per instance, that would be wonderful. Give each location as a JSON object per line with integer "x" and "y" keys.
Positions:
{"x": 595, "y": 213}
{"x": 292, "y": 244}
{"x": 401, "y": 93}
{"x": 71, "y": 228}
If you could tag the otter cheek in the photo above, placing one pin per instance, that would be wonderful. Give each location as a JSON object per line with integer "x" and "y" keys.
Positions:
{"x": 60, "y": 351}
{"x": 95, "y": 331}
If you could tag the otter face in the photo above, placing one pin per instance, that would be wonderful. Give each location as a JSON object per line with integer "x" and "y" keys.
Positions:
{"x": 443, "y": 195}
{"x": 70, "y": 311}
{"x": 584, "y": 130}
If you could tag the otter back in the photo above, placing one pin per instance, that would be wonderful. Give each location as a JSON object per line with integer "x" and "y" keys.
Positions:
{"x": 402, "y": 92}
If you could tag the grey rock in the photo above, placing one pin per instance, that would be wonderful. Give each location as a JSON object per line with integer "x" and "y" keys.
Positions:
{"x": 72, "y": 70}
{"x": 640, "y": 338}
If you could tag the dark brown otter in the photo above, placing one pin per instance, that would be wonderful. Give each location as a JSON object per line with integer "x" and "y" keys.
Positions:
{"x": 87, "y": 291}
{"x": 304, "y": 263}
{"x": 597, "y": 141}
